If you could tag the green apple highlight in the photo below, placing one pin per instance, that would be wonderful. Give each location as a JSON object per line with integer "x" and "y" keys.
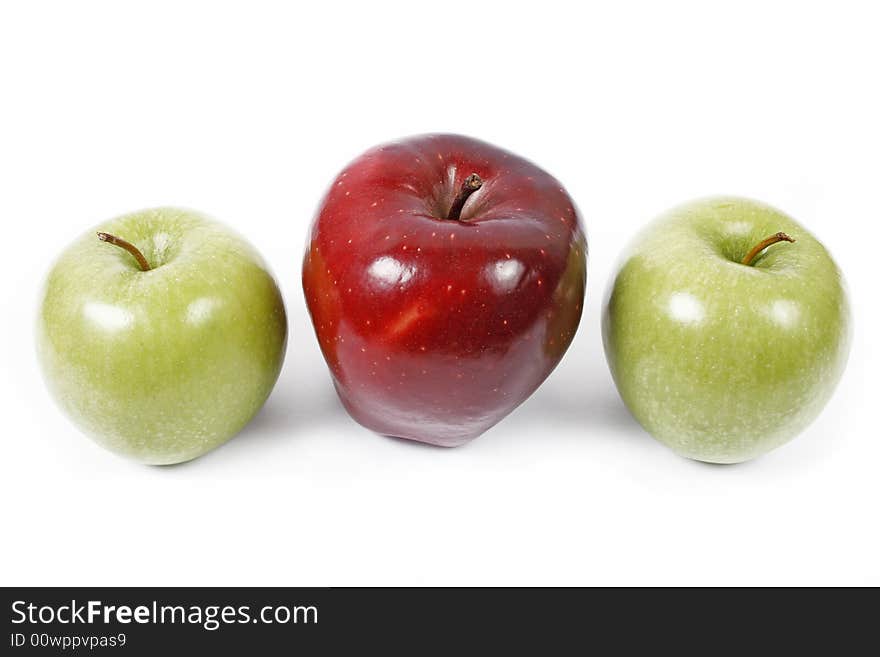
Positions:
{"x": 162, "y": 337}
{"x": 724, "y": 338}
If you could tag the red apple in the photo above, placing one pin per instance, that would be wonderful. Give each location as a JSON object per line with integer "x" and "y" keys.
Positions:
{"x": 445, "y": 279}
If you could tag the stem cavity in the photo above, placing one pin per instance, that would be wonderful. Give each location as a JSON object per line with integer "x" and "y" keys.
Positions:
{"x": 471, "y": 184}
{"x": 128, "y": 246}
{"x": 763, "y": 244}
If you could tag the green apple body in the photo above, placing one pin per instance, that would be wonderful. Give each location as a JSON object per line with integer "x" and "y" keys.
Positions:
{"x": 166, "y": 364}
{"x": 719, "y": 360}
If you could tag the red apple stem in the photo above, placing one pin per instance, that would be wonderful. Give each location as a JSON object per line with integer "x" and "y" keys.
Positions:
{"x": 128, "y": 246}
{"x": 471, "y": 184}
{"x": 763, "y": 244}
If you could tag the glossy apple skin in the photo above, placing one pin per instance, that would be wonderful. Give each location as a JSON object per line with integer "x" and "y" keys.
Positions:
{"x": 721, "y": 361}
{"x": 164, "y": 365}
{"x": 435, "y": 329}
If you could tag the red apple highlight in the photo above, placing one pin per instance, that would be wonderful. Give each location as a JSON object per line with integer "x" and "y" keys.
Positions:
{"x": 445, "y": 279}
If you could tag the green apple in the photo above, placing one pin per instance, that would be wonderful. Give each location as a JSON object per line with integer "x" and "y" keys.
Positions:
{"x": 162, "y": 335}
{"x": 726, "y": 328}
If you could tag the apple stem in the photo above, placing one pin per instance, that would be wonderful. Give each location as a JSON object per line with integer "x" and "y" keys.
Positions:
{"x": 128, "y": 246}
{"x": 763, "y": 244}
{"x": 471, "y": 184}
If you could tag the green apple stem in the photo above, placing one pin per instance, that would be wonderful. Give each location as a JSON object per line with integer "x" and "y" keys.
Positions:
{"x": 763, "y": 244}
{"x": 128, "y": 246}
{"x": 471, "y": 184}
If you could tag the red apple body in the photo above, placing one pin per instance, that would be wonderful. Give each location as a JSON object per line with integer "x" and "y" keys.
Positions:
{"x": 434, "y": 329}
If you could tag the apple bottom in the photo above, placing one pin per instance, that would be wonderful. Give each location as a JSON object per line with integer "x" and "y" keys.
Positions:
{"x": 446, "y": 400}
{"x": 176, "y": 420}
{"x": 727, "y": 413}
{"x": 402, "y": 426}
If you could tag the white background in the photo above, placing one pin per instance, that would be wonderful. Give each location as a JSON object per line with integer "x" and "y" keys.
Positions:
{"x": 247, "y": 111}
